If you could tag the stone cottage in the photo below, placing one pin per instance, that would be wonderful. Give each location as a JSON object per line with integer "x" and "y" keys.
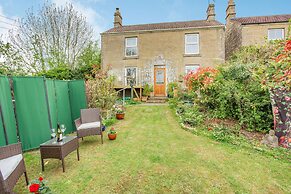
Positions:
{"x": 160, "y": 53}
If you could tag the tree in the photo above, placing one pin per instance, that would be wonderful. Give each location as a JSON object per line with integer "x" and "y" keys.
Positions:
{"x": 54, "y": 37}
{"x": 10, "y": 59}
{"x": 88, "y": 60}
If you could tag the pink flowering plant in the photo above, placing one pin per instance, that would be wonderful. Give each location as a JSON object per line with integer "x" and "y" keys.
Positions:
{"x": 277, "y": 77}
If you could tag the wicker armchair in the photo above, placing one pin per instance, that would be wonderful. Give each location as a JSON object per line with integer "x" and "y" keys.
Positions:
{"x": 90, "y": 123}
{"x": 11, "y": 167}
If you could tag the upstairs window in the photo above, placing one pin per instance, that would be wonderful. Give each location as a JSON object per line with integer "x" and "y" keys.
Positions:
{"x": 191, "y": 43}
{"x": 276, "y": 34}
{"x": 191, "y": 68}
{"x": 131, "y": 47}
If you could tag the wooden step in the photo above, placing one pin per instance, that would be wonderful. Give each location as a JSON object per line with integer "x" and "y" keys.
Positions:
{"x": 157, "y": 99}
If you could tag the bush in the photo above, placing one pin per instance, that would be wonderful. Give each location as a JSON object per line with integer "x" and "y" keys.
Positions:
{"x": 236, "y": 94}
{"x": 100, "y": 91}
{"x": 190, "y": 115}
{"x": 224, "y": 134}
{"x": 171, "y": 87}
{"x": 108, "y": 122}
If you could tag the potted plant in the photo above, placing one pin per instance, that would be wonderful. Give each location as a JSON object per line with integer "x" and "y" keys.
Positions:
{"x": 112, "y": 134}
{"x": 146, "y": 92}
{"x": 152, "y": 94}
{"x": 38, "y": 186}
{"x": 120, "y": 113}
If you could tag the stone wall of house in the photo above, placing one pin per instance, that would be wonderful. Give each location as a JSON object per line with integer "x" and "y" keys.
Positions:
{"x": 258, "y": 33}
{"x": 162, "y": 48}
{"x": 233, "y": 38}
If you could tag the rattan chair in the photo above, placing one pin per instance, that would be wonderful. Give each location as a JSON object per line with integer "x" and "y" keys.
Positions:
{"x": 11, "y": 167}
{"x": 90, "y": 123}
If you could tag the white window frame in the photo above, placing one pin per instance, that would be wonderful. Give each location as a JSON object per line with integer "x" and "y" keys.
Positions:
{"x": 191, "y": 65}
{"x": 125, "y": 75}
{"x": 192, "y": 43}
{"x": 135, "y": 46}
{"x": 283, "y": 33}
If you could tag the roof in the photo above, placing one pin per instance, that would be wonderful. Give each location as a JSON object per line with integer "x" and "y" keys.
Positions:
{"x": 165, "y": 26}
{"x": 263, "y": 19}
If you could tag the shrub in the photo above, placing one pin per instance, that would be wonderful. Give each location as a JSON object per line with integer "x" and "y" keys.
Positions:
{"x": 100, "y": 91}
{"x": 236, "y": 94}
{"x": 224, "y": 134}
{"x": 190, "y": 115}
{"x": 200, "y": 79}
{"x": 171, "y": 87}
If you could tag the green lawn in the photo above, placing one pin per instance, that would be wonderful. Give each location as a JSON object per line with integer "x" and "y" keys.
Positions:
{"x": 153, "y": 154}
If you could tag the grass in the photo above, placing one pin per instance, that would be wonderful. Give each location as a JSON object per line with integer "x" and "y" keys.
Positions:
{"x": 153, "y": 154}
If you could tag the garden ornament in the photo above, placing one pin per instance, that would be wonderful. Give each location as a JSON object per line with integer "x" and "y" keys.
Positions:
{"x": 270, "y": 139}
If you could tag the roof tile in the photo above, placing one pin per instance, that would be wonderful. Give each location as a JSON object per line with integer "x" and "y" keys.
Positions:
{"x": 263, "y": 19}
{"x": 165, "y": 26}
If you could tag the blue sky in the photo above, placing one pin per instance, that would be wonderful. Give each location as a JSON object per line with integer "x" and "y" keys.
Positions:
{"x": 100, "y": 12}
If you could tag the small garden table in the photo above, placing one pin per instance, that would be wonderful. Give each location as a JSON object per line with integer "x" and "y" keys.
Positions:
{"x": 59, "y": 150}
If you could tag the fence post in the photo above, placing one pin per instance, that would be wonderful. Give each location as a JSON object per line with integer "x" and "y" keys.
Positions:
{"x": 4, "y": 127}
{"x": 47, "y": 103}
{"x": 14, "y": 106}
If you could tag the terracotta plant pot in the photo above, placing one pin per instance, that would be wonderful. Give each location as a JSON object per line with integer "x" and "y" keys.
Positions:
{"x": 112, "y": 136}
{"x": 120, "y": 116}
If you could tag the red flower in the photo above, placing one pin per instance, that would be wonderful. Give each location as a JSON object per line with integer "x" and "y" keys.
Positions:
{"x": 287, "y": 98}
{"x": 288, "y": 46}
{"x": 34, "y": 188}
{"x": 280, "y": 57}
{"x": 40, "y": 179}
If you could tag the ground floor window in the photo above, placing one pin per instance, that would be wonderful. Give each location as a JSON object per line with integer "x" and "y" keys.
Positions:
{"x": 191, "y": 67}
{"x": 130, "y": 75}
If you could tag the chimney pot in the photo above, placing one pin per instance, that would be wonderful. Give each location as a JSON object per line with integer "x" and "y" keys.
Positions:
{"x": 230, "y": 11}
{"x": 117, "y": 18}
{"x": 210, "y": 12}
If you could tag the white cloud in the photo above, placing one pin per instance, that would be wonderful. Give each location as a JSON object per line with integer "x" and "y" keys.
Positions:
{"x": 93, "y": 18}
{"x": 6, "y": 23}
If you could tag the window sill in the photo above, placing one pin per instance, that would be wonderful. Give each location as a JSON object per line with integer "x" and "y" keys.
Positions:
{"x": 133, "y": 57}
{"x": 192, "y": 55}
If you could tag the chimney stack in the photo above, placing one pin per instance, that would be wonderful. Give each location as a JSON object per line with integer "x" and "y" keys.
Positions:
{"x": 210, "y": 12}
{"x": 117, "y": 18}
{"x": 230, "y": 11}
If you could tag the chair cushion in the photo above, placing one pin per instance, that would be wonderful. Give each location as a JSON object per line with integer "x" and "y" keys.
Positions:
{"x": 89, "y": 125}
{"x": 8, "y": 165}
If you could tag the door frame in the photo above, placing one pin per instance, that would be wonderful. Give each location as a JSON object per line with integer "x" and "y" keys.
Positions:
{"x": 165, "y": 78}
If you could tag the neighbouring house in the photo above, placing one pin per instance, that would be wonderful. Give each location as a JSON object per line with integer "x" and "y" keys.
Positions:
{"x": 160, "y": 53}
{"x": 245, "y": 31}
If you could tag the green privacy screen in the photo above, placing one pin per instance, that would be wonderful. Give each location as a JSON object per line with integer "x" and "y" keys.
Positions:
{"x": 63, "y": 104}
{"x": 77, "y": 98}
{"x": 40, "y": 104}
{"x": 52, "y": 100}
{"x": 32, "y": 111}
{"x": 8, "y": 113}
